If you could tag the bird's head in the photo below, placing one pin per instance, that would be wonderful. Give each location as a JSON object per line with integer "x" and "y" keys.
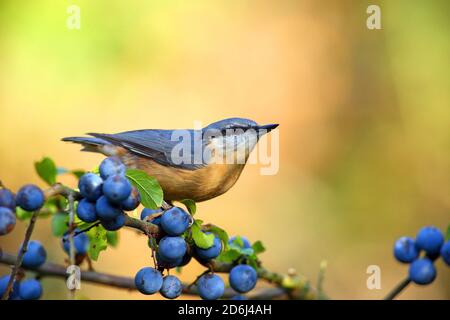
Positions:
{"x": 234, "y": 137}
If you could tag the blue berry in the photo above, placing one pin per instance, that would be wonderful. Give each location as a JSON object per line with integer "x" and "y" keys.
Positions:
{"x": 149, "y": 212}
{"x": 210, "y": 286}
{"x": 148, "y": 280}
{"x": 133, "y": 200}
{"x": 30, "y": 289}
{"x": 167, "y": 264}
{"x": 35, "y": 255}
{"x": 405, "y": 250}
{"x": 175, "y": 221}
{"x": 114, "y": 224}
{"x": 7, "y": 199}
{"x": 106, "y": 210}
{"x": 422, "y": 271}
{"x": 245, "y": 243}
{"x": 111, "y": 166}
{"x": 7, "y": 220}
{"x": 80, "y": 241}
{"x": 445, "y": 252}
{"x": 185, "y": 260}
{"x": 86, "y": 210}
{"x": 116, "y": 188}
{"x": 212, "y": 252}
{"x": 30, "y": 198}
{"x": 243, "y": 278}
{"x": 430, "y": 239}
{"x": 171, "y": 287}
{"x": 14, "y": 293}
{"x": 90, "y": 186}
{"x": 172, "y": 248}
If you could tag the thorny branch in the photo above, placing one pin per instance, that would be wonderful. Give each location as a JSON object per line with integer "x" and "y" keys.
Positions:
{"x": 301, "y": 290}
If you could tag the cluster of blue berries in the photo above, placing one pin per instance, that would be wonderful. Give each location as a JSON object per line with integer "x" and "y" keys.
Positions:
{"x": 105, "y": 197}
{"x": 429, "y": 241}
{"x": 30, "y": 289}
{"x": 242, "y": 278}
{"x": 29, "y": 198}
{"x": 173, "y": 251}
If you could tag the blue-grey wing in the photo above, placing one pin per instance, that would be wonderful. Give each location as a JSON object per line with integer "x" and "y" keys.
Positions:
{"x": 158, "y": 145}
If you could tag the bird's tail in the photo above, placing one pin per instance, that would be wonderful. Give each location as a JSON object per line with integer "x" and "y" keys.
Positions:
{"x": 89, "y": 144}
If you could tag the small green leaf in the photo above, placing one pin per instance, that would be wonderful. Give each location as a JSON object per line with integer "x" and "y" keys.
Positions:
{"x": 148, "y": 187}
{"x": 59, "y": 224}
{"x": 97, "y": 241}
{"x": 221, "y": 234}
{"x": 46, "y": 169}
{"x": 447, "y": 237}
{"x": 258, "y": 247}
{"x": 247, "y": 251}
{"x": 51, "y": 206}
{"x": 252, "y": 262}
{"x": 201, "y": 239}
{"x": 238, "y": 242}
{"x": 78, "y": 173}
{"x": 190, "y": 205}
{"x": 22, "y": 214}
{"x": 229, "y": 256}
{"x": 113, "y": 238}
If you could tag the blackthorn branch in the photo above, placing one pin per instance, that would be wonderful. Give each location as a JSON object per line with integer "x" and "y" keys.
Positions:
{"x": 49, "y": 269}
{"x": 19, "y": 259}
{"x": 301, "y": 291}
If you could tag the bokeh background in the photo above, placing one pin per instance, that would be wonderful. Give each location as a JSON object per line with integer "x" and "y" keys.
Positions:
{"x": 364, "y": 120}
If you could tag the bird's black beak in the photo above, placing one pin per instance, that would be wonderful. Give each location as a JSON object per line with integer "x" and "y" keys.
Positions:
{"x": 267, "y": 128}
{"x": 262, "y": 130}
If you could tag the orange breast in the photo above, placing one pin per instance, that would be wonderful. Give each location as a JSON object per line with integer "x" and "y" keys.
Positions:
{"x": 198, "y": 185}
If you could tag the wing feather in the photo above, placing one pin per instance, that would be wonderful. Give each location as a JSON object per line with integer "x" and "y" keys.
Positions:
{"x": 154, "y": 144}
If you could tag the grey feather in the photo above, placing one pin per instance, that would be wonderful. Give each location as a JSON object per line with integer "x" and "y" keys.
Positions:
{"x": 154, "y": 144}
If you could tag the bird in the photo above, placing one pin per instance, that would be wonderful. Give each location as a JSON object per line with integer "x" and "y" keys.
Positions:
{"x": 195, "y": 164}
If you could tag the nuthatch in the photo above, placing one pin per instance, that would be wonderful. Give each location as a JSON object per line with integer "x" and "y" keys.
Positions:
{"x": 188, "y": 164}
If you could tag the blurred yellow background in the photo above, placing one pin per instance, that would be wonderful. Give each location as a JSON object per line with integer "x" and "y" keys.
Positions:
{"x": 364, "y": 120}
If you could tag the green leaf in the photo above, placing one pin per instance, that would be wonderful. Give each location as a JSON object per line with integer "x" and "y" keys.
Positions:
{"x": 252, "y": 262}
{"x": 97, "y": 241}
{"x": 78, "y": 173}
{"x": 447, "y": 237}
{"x": 247, "y": 251}
{"x": 59, "y": 224}
{"x": 229, "y": 256}
{"x": 148, "y": 187}
{"x": 221, "y": 234}
{"x": 46, "y": 169}
{"x": 112, "y": 237}
{"x": 190, "y": 205}
{"x": 50, "y": 207}
{"x": 22, "y": 214}
{"x": 238, "y": 242}
{"x": 258, "y": 247}
{"x": 201, "y": 239}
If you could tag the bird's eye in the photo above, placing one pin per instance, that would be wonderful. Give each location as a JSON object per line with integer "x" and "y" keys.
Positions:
{"x": 233, "y": 130}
